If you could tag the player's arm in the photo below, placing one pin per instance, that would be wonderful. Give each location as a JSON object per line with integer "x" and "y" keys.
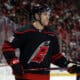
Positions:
{"x": 8, "y": 49}
{"x": 59, "y": 60}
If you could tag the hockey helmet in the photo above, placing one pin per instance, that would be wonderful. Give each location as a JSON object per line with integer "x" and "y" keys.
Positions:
{"x": 40, "y": 8}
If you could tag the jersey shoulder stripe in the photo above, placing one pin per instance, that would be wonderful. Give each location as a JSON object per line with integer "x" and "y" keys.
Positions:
{"x": 24, "y": 29}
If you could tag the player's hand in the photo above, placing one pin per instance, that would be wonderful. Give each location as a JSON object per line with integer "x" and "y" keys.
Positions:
{"x": 17, "y": 69}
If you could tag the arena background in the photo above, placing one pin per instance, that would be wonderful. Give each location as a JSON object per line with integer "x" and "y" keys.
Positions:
{"x": 65, "y": 20}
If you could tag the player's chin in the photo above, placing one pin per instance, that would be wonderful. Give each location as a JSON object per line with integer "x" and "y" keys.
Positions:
{"x": 46, "y": 24}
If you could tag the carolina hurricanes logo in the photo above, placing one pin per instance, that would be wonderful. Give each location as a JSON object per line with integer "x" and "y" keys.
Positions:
{"x": 39, "y": 54}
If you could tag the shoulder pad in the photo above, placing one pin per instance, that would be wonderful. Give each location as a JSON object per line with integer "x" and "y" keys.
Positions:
{"x": 51, "y": 32}
{"x": 24, "y": 29}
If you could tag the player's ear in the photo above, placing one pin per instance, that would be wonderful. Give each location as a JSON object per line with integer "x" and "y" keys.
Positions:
{"x": 37, "y": 16}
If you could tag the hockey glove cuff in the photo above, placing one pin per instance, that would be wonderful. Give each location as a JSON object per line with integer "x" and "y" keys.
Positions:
{"x": 16, "y": 66}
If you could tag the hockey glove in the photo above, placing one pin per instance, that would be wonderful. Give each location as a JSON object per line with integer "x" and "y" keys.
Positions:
{"x": 16, "y": 66}
{"x": 74, "y": 68}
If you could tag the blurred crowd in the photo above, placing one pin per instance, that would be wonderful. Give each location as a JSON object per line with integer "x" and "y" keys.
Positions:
{"x": 65, "y": 19}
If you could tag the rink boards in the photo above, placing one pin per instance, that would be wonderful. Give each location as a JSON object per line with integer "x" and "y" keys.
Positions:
{"x": 61, "y": 74}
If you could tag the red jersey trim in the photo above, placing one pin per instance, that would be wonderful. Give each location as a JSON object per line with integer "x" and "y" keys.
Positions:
{"x": 29, "y": 30}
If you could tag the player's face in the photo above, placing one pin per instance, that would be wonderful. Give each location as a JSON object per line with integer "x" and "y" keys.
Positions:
{"x": 44, "y": 18}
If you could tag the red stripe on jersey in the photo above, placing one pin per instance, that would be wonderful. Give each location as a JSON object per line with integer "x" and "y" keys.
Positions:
{"x": 10, "y": 49}
{"x": 7, "y": 47}
{"x": 49, "y": 33}
{"x": 31, "y": 76}
{"x": 30, "y": 30}
{"x": 57, "y": 57}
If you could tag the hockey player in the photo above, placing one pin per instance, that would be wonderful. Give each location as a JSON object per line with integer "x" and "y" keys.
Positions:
{"x": 38, "y": 46}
